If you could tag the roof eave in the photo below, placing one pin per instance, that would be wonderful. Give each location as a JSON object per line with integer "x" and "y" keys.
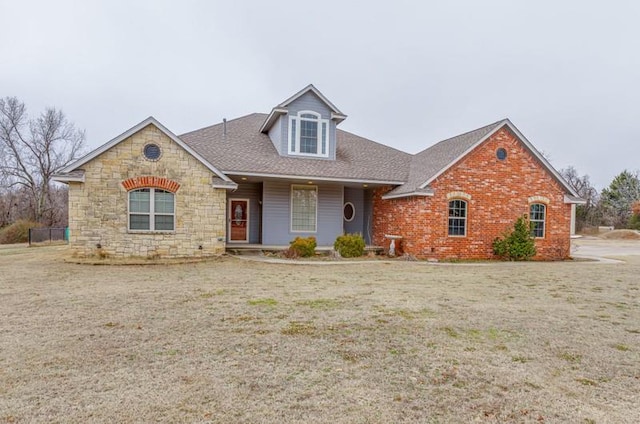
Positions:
{"x": 313, "y": 177}
{"x": 410, "y": 194}
{"x": 315, "y": 91}
{"x": 131, "y": 131}
{"x": 61, "y": 178}
{"x": 543, "y": 160}
{"x": 226, "y": 186}
{"x": 271, "y": 119}
{"x": 574, "y": 200}
{"x": 524, "y": 140}
{"x": 338, "y": 117}
{"x": 463, "y": 154}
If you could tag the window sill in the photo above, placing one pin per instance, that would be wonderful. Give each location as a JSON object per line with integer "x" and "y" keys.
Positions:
{"x": 150, "y": 232}
{"x": 307, "y": 155}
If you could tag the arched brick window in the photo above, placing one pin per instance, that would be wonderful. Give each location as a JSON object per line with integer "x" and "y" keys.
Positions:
{"x": 537, "y": 219}
{"x": 151, "y": 209}
{"x": 457, "y": 217}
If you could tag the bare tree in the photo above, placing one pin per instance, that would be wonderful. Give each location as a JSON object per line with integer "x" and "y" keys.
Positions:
{"x": 587, "y": 214}
{"x": 33, "y": 150}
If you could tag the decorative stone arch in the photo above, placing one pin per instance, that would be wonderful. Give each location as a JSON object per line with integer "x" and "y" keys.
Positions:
{"x": 539, "y": 199}
{"x": 151, "y": 182}
{"x": 458, "y": 195}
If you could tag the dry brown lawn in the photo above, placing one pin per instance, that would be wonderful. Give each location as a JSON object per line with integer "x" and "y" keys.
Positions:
{"x": 232, "y": 341}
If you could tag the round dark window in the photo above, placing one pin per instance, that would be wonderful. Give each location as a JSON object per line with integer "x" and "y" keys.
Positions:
{"x": 349, "y": 211}
{"x": 152, "y": 151}
{"x": 501, "y": 154}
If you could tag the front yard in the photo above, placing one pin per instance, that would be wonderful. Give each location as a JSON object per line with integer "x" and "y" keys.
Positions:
{"x": 236, "y": 341}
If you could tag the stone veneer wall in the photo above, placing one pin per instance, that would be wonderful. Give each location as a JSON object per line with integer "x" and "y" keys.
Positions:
{"x": 98, "y": 207}
{"x": 497, "y": 193}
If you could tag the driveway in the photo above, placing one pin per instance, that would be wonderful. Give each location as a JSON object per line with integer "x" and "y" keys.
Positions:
{"x": 596, "y": 248}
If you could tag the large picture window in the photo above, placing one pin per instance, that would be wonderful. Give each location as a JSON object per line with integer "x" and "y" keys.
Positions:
{"x": 304, "y": 208}
{"x": 457, "y": 218}
{"x": 308, "y": 134}
{"x": 537, "y": 217}
{"x": 151, "y": 209}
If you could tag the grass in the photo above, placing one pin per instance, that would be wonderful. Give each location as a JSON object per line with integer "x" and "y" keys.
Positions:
{"x": 572, "y": 358}
{"x": 401, "y": 342}
{"x": 319, "y": 303}
{"x": 263, "y": 302}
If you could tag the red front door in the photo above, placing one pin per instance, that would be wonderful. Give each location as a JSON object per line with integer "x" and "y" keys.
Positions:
{"x": 239, "y": 220}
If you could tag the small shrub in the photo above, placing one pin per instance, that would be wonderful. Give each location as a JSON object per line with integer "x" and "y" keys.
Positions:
{"x": 518, "y": 245}
{"x": 634, "y": 222}
{"x": 302, "y": 246}
{"x": 349, "y": 245}
{"x": 18, "y": 232}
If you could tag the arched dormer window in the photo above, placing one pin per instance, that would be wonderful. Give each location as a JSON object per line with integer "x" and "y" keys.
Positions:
{"x": 308, "y": 134}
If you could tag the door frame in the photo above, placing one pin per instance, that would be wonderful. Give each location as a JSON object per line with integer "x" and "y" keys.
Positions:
{"x": 230, "y": 218}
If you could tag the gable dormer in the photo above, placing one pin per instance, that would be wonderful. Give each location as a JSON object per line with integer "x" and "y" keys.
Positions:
{"x": 304, "y": 125}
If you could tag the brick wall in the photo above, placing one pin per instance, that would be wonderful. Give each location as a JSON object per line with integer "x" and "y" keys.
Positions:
{"x": 497, "y": 192}
{"x": 98, "y": 207}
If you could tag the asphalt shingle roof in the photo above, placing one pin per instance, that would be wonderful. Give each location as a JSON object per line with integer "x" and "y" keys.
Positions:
{"x": 244, "y": 149}
{"x": 433, "y": 160}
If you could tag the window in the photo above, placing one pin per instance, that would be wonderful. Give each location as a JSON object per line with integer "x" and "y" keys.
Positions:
{"x": 308, "y": 134}
{"x": 151, "y": 209}
{"x": 304, "y": 208}
{"x": 501, "y": 154}
{"x": 349, "y": 211}
{"x": 152, "y": 152}
{"x": 537, "y": 215}
{"x": 457, "y": 218}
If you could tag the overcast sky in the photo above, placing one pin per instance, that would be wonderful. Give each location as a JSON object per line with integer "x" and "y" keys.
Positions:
{"x": 407, "y": 74}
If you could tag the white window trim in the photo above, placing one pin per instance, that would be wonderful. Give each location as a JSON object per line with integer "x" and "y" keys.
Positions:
{"x": 544, "y": 221}
{"x": 296, "y": 143}
{"x": 297, "y": 186}
{"x": 152, "y": 191}
{"x": 466, "y": 217}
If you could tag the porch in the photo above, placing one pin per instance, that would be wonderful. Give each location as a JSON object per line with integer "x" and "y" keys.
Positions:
{"x": 267, "y": 213}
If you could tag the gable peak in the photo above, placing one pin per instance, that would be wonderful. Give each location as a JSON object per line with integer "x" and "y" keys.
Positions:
{"x": 282, "y": 108}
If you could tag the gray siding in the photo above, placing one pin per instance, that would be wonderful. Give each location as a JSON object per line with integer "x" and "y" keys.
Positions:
{"x": 368, "y": 215}
{"x": 277, "y": 214}
{"x": 253, "y": 192}
{"x": 355, "y": 196}
{"x": 308, "y": 101}
{"x": 276, "y": 136}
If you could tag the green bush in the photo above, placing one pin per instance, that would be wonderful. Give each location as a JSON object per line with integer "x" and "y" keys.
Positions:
{"x": 349, "y": 245}
{"x": 302, "y": 246}
{"x": 18, "y": 232}
{"x": 634, "y": 222}
{"x": 518, "y": 245}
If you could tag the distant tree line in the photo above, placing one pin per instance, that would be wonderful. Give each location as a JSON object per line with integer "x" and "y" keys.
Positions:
{"x": 617, "y": 205}
{"x": 32, "y": 150}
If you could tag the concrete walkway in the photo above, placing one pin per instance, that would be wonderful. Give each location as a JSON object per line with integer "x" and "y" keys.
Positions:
{"x": 589, "y": 248}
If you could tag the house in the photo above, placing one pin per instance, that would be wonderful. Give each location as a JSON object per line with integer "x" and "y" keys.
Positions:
{"x": 264, "y": 179}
